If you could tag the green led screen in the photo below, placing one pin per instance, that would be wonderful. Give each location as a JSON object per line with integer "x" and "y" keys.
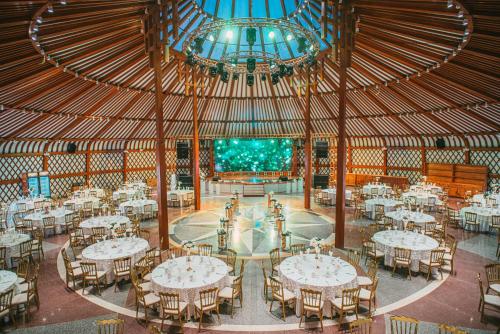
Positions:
{"x": 237, "y": 154}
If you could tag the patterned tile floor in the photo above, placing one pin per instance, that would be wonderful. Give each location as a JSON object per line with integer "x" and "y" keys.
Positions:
{"x": 454, "y": 301}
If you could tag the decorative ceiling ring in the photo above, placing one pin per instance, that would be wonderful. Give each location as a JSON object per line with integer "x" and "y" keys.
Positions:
{"x": 455, "y": 9}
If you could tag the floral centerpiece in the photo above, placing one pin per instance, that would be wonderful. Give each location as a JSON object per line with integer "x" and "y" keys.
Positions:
{"x": 228, "y": 205}
{"x": 188, "y": 245}
{"x": 316, "y": 244}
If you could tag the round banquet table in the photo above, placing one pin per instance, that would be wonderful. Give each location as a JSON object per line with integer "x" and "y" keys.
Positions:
{"x": 8, "y": 281}
{"x": 480, "y": 198}
{"x": 332, "y": 194}
{"x": 388, "y": 203}
{"x": 103, "y": 253}
{"x": 181, "y": 195}
{"x": 79, "y": 202}
{"x": 420, "y": 245}
{"x": 129, "y": 194}
{"x": 333, "y": 275}
{"x": 432, "y": 188}
{"x": 11, "y": 240}
{"x": 484, "y": 216}
{"x": 136, "y": 185}
{"x": 173, "y": 276}
{"x": 103, "y": 221}
{"x": 59, "y": 214}
{"x": 30, "y": 204}
{"x": 138, "y": 205}
{"x": 421, "y": 197}
{"x": 382, "y": 189}
{"x": 419, "y": 218}
{"x": 88, "y": 192}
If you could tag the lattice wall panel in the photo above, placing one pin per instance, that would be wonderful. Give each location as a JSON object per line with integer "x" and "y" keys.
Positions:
{"x": 490, "y": 159}
{"x": 413, "y": 176}
{"x": 367, "y": 157}
{"x": 12, "y": 167}
{"x": 9, "y": 192}
{"x": 368, "y": 171}
{"x": 106, "y": 161}
{"x": 404, "y": 158}
{"x": 171, "y": 159}
{"x": 142, "y": 175}
{"x": 445, "y": 156}
{"x": 66, "y": 163}
{"x": 107, "y": 181}
{"x": 141, "y": 159}
{"x": 205, "y": 161}
{"x": 301, "y": 157}
{"x": 60, "y": 187}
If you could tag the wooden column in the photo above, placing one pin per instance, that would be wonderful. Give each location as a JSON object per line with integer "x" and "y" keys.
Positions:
{"x": 307, "y": 143}
{"x": 341, "y": 146}
{"x": 196, "y": 144}
{"x": 161, "y": 166}
{"x": 424, "y": 158}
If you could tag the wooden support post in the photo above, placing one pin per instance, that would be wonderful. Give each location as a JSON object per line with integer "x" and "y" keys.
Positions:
{"x": 307, "y": 144}
{"x": 161, "y": 166}
{"x": 424, "y": 158}
{"x": 196, "y": 144}
{"x": 384, "y": 151}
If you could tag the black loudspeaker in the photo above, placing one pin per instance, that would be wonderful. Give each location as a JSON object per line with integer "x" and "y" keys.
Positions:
{"x": 320, "y": 181}
{"x": 440, "y": 143}
{"x": 283, "y": 178}
{"x": 71, "y": 148}
{"x": 182, "y": 150}
{"x": 187, "y": 180}
{"x": 321, "y": 149}
{"x": 215, "y": 178}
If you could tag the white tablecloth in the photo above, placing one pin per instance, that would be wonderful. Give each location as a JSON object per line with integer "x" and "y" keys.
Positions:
{"x": 59, "y": 214}
{"x": 136, "y": 185}
{"x": 480, "y": 198}
{"x": 128, "y": 194}
{"x": 416, "y": 217}
{"x": 173, "y": 276}
{"x": 30, "y": 204}
{"x": 11, "y": 240}
{"x": 381, "y": 188}
{"x": 8, "y": 281}
{"x": 181, "y": 194}
{"x": 389, "y": 205}
{"x": 103, "y": 221}
{"x": 483, "y": 216}
{"x": 421, "y": 197}
{"x": 432, "y": 188}
{"x": 333, "y": 275}
{"x": 88, "y": 192}
{"x": 138, "y": 205}
{"x": 420, "y": 245}
{"x": 332, "y": 194}
{"x": 103, "y": 253}
{"x": 79, "y": 202}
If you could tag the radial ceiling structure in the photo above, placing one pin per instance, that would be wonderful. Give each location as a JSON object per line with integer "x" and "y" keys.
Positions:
{"x": 80, "y": 71}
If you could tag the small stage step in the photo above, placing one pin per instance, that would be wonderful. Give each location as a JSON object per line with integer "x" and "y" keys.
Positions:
{"x": 253, "y": 190}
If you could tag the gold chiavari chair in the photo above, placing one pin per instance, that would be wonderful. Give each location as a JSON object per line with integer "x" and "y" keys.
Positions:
{"x": 347, "y": 303}
{"x": 353, "y": 257}
{"x": 150, "y": 257}
{"x": 379, "y": 212}
{"x": 99, "y": 233}
{"x": 493, "y": 277}
{"x": 231, "y": 260}
{"x": 297, "y": 248}
{"x": 6, "y": 306}
{"x": 449, "y": 258}
{"x": 28, "y": 226}
{"x": 173, "y": 200}
{"x": 68, "y": 223}
{"x": 110, "y": 326}
{"x": 144, "y": 234}
{"x": 171, "y": 306}
{"x": 144, "y": 300}
{"x": 208, "y": 302}
{"x": 495, "y": 223}
{"x": 429, "y": 228}
{"x": 402, "y": 259}
{"x": 154, "y": 330}
{"x": 232, "y": 293}
{"x": 148, "y": 212}
{"x": 369, "y": 296}
{"x": 24, "y": 252}
{"x": 360, "y": 326}
{"x": 403, "y": 325}
{"x": 275, "y": 257}
{"x": 367, "y": 281}
{"x": 37, "y": 244}
{"x": 327, "y": 248}
{"x": 26, "y": 299}
{"x": 447, "y": 329}
{"x": 176, "y": 252}
{"x": 49, "y": 224}
{"x": 267, "y": 284}
{"x": 73, "y": 271}
{"x": 3, "y": 257}
{"x": 311, "y": 304}
{"x": 434, "y": 261}
{"x": 471, "y": 221}
{"x": 372, "y": 252}
{"x": 93, "y": 276}
{"x": 121, "y": 269}
{"x": 205, "y": 249}
{"x": 87, "y": 209}
{"x": 282, "y": 295}
{"x": 145, "y": 286}
{"x": 486, "y": 299}
{"x": 143, "y": 268}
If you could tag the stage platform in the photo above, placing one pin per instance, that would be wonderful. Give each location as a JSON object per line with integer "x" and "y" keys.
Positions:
{"x": 255, "y": 185}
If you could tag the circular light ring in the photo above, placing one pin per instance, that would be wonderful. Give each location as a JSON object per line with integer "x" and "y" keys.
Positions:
{"x": 211, "y": 28}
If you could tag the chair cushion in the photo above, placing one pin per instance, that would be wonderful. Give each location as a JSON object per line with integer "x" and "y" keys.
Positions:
{"x": 447, "y": 257}
{"x": 364, "y": 280}
{"x": 401, "y": 262}
{"x": 147, "y": 277}
{"x": 337, "y": 303}
{"x": 75, "y": 264}
{"x": 495, "y": 287}
{"x": 20, "y": 280}
{"x": 182, "y": 307}
{"x": 226, "y": 293}
{"x": 146, "y": 286}
{"x": 309, "y": 308}
{"x": 77, "y": 272}
{"x": 151, "y": 299}
{"x": 364, "y": 294}
{"x": 22, "y": 287}
{"x": 22, "y": 298}
{"x": 197, "y": 304}
{"x": 288, "y": 295}
{"x": 230, "y": 269}
{"x": 492, "y": 300}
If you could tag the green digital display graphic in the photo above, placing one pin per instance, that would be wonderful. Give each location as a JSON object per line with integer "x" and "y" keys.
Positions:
{"x": 238, "y": 154}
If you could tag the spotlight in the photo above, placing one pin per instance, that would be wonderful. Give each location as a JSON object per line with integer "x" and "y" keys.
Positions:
{"x": 211, "y": 38}
{"x": 229, "y": 34}
{"x": 251, "y": 63}
{"x": 289, "y": 37}
{"x": 212, "y": 71}
{"x": 234, "y": 61}
{"x": 263, "y": 77}
{"x": 289, "y": 71}
{"x": 224, "y": 77}
{"x": 235, "y": 76}
{"x": 250, "y": 80}
{"x": 198, "y": 45}
{"x": 271, "y": 34}
{"x": 282, "y": 70}
{"x": 190, "y": 59}
{"x": 275, "y": 78}
{"x": 50, "y": 9}
{"x": 301, "y": 42}
{"x": 220, "y": 68}
{"x": 251, "y": 36}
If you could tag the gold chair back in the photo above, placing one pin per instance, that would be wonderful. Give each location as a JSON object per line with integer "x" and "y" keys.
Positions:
{"x": 205, "y": 249}
{"x": 403, "y": 325}
{"x": 110, "y": 326}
